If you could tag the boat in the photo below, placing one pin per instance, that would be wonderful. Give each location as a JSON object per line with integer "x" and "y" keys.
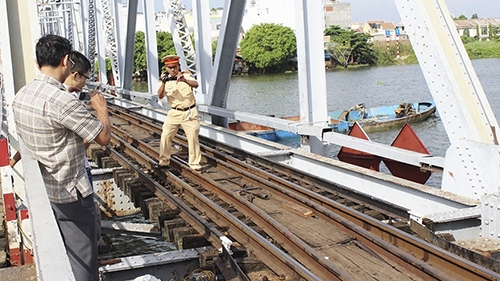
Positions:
{"x": 384, "y": 117}
{"x": 370, "y": 119}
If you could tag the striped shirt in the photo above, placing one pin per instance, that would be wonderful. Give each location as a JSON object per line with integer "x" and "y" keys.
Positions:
{"x": 53, "y": 124}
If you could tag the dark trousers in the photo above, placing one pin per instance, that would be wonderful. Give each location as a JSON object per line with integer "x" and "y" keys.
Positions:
{"x": 77, "y": 224}
{"x": 97, "y": 210}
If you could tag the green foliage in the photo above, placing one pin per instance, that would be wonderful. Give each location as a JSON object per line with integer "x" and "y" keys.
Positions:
{"x": 269, "y": 47}
{"x": 349, "y": 47}
{"x": 214, "y": 49}
{"x": 483, "y": 49}
{"x": 384, "y": 57}
{"x": 165, "y": 46}
{"x": 140, "y": 64}
{"x": 474, "y": 16}
{"x": 495, "y": 33}
{"x": 108, "y": 66}
{"x": 461, "y": 17}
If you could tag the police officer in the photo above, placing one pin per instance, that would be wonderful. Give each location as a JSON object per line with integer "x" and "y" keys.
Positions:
{"x": 178, "y": 86}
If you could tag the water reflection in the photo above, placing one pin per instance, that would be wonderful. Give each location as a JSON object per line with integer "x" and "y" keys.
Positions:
{"x": 124, "y": 244}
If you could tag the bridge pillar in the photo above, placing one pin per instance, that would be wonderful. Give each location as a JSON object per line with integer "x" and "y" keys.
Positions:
{"x": 311, "y": 68}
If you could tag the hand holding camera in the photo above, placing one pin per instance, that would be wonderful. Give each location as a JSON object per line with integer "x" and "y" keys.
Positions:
{"x": 165, "y": 78}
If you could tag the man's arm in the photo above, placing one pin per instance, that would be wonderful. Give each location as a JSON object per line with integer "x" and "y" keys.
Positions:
{"x": 99, "y": 104}
{"x": 191, "y": 82}
{"x": 161, "y": 89}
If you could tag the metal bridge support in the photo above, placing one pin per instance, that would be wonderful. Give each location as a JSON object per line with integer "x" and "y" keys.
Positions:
{"x": 151, "y": 46}
{"x": 182, "y": 36}
{"x": 224, "y": 56}
{"x": 203, "y": 43}
{"x": 311, "y": 68}
{"x": 470, "y": 124}
{"x": 128, "y": 61}
{"x": 467, "y": 116}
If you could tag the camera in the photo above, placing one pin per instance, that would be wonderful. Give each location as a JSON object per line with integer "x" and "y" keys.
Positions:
{"x": 168, "y": 78}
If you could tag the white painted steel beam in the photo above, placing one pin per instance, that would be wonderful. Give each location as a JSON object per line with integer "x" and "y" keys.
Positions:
{"x": 203, "y": 43}
{"x": 447, "y": 68}
{"x": 160, "y": 264}
{"x": 101, "y": 41}
{"x": 50, "y": 255}
{"x": 307, "y": 129}
{"x": 224, "y": 56}
{"x": 128, "y": 62}
{"x": 311, "y": 67}
{"x": 460, "y": 99}
{"x": 153, "y": 73}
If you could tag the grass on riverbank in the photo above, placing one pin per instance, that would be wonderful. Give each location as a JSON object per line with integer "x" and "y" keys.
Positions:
{"x": 476, "y": 50}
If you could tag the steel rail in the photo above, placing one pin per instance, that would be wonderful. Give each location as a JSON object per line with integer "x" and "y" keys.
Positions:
{"x": 293, "y": 174}
{"x": 376, "y": 243}
{"x": 270, "y": 225}
{"x": 302, "y": 252}
{"x": 238, "y": 229}
{"x": 383, "y": 207}
{"x": 426, "y": 254}
{"x": 209, "y": 232}
{"x": 432, "y": 255}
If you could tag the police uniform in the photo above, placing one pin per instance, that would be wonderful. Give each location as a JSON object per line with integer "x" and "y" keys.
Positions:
{"x": 183, "y": 112}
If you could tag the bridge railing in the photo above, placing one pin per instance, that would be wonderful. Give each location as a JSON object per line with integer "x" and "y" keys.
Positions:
{"x": 50, "y": 255}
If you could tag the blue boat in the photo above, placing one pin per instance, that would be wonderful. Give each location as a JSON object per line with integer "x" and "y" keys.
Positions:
{"x": 370, "y": 119}
{"x": 382, "y": 117}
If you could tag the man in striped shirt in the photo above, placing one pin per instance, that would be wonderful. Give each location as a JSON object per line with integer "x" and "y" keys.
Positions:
{"x": 53, "y": 125}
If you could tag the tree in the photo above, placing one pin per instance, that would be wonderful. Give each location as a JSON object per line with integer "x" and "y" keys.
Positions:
{"x": 349, "y": 47}
{"x": 269, "y": 47}
{"x": 214, "y": 48}
{"x": 140, "y": 65}
{"x": 461, "y": 17}
{"x": 474, "y": 16}
{"x": 165, "y": 46}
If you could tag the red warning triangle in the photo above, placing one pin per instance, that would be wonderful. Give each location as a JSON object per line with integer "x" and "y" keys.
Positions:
{"x": 408, "y": 139}
{"x": 356, "y": 157}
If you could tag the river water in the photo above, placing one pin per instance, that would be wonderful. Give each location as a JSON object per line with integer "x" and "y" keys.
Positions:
{"x": 375, "y": 86}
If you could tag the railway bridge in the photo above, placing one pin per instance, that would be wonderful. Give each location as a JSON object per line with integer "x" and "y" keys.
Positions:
{"x": 260, "y": 210}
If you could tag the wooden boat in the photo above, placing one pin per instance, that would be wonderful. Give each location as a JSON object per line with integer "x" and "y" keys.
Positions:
{"x": 384, "y": 117}
{"x": 371, "y": 119}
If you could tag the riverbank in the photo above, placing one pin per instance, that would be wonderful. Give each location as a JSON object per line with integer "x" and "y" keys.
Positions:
{"x": 387, "y": 57}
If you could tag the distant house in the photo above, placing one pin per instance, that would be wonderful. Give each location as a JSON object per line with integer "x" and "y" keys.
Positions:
{"x": 378, "y": 30}
{"x": 373, "y": 27}
{"x": 472, "y": 26}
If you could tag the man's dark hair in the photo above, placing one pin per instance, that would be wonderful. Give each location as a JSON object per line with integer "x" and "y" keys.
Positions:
{"x": 51, "y": 49}
{"x": 82, "y": 63}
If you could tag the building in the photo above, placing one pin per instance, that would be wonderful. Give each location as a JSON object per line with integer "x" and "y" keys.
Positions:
{"x": 475, "y": 26}
{"x": 337, "y": 13}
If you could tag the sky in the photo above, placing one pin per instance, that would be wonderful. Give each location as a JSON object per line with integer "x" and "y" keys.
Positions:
{"x": 363, "y": 10}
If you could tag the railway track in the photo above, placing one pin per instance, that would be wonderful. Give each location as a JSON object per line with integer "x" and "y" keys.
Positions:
{"x": 296, "y": 226}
